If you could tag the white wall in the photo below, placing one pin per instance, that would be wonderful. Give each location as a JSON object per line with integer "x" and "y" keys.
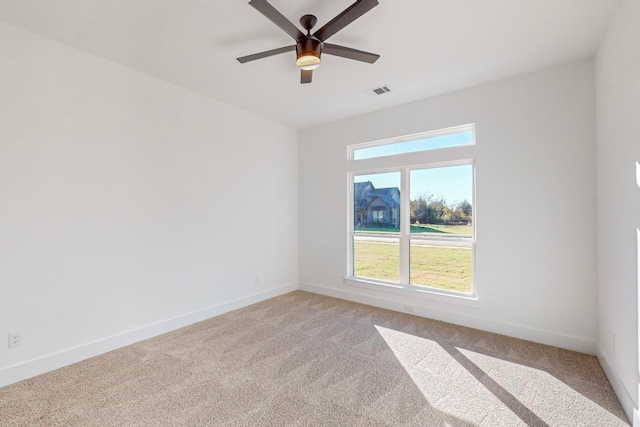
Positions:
{"x": 618, "y": 154}
{"x": 535, "y": 203}
{"x": 129, "y": 206}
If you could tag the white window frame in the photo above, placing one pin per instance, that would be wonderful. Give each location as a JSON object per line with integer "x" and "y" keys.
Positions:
{"x": 459, "y": 157}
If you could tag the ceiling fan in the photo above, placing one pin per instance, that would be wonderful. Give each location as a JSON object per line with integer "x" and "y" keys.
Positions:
{"x": 309, "y": 47}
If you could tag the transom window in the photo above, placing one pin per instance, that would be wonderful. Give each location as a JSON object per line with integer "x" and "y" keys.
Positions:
{"x": 445, "y": 138}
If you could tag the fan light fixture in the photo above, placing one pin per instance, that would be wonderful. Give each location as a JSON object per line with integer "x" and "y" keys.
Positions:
{"x": 308, "y": 61}
{"x": 308, "y": 53}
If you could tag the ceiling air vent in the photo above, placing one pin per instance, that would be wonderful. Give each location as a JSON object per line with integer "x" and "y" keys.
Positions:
{"x": 379, "y": 91}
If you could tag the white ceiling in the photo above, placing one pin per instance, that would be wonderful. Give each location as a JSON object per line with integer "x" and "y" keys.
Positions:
{"x": 427, "y": 47}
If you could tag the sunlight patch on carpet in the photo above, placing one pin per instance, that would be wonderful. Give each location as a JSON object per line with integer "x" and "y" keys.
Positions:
{"x": 445, "y": 384}
{"x": 551, "y": 399}
{"x": 486, "y": 390}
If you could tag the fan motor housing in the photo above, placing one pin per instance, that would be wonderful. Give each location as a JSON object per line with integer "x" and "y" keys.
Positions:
{"x": 309, "y": 46}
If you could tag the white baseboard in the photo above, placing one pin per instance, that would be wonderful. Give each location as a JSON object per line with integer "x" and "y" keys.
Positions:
{"x": 624, "y": 396}
{"x": 517, "y": 331}
{"x": 50, "y": 362}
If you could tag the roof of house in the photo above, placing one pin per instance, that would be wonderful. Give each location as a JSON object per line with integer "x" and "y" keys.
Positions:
{"x": 365, "y": 193}
{"x": 387, "y": 199}
{"x": 360, "y": 189}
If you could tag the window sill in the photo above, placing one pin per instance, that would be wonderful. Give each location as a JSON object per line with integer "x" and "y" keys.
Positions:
{"x": 425, "y": 294}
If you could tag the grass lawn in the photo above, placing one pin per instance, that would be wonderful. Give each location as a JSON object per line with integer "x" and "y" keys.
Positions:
{"x": 437, "y": 267}
{"x": 377, "y": 261}
{"x": 449, "y": 230}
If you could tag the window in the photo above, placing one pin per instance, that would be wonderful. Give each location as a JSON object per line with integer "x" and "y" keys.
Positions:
{"x": 375, "y": 241}
{"x": 413, "y": 225}
{"x": 441, "y": 228}
{"x": 453, "y": 137}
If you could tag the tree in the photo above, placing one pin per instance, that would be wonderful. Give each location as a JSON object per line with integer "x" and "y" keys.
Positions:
{"x": 436, "y": 210}
{"x": 418, "y": 209}
{"x": 462, "y": 210}
{"x": 447, "y": 214}
{"x": 428, "y": 210}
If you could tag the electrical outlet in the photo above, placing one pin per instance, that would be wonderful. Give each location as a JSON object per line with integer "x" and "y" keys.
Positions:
{"x": 614, "y": 344}
{"x": 257, "y": 281}
{"x": 408, "y": 309}
{"x": 15, "y": 339}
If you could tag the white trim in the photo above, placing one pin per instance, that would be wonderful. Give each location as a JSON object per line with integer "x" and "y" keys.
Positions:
{"x": 439, "y": 312}
{"x": 50, "y": 362}
{"x": 624, "y": 396}
{"x": 350, "y": 222}
{"x": 412, "y": 291}
{"x": 448, "y": 241}
{"x": 474, "y": 215}
{"x": 405, "y": 227}
{"x": 413, "y": 162}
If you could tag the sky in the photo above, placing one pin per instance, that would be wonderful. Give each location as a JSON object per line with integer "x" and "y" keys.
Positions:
{"x": 453, "y": 183}
{"x": 432, "y": 143}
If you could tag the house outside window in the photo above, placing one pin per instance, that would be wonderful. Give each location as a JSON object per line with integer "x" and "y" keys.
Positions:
{"x": 377, "y": 206}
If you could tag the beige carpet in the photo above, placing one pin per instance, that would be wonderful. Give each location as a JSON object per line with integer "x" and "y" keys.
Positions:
{"x": 307, "y": 360}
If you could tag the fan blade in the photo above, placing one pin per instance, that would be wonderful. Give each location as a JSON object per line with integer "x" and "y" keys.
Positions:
{"x": 305, "y": 76}
{"x": 347, "y": 52}
{"x": 265, "y": 54}
{"x": 349, "y": 15}
{"x": 277, "y": 18}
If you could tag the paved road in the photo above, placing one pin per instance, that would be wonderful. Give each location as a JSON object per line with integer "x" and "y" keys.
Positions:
{"x": 456, "y": 244}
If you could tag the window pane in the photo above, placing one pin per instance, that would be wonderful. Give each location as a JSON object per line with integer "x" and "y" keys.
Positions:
{"x": 423, "y": 144}
{"x": 441, "y": 214}
{"x": 376, "y": 257}
{"x": 376, "y": 203}
{"x": 441, "y": 201}
{"x": 440, "y": 265}
{"x": 376, "y": 225}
